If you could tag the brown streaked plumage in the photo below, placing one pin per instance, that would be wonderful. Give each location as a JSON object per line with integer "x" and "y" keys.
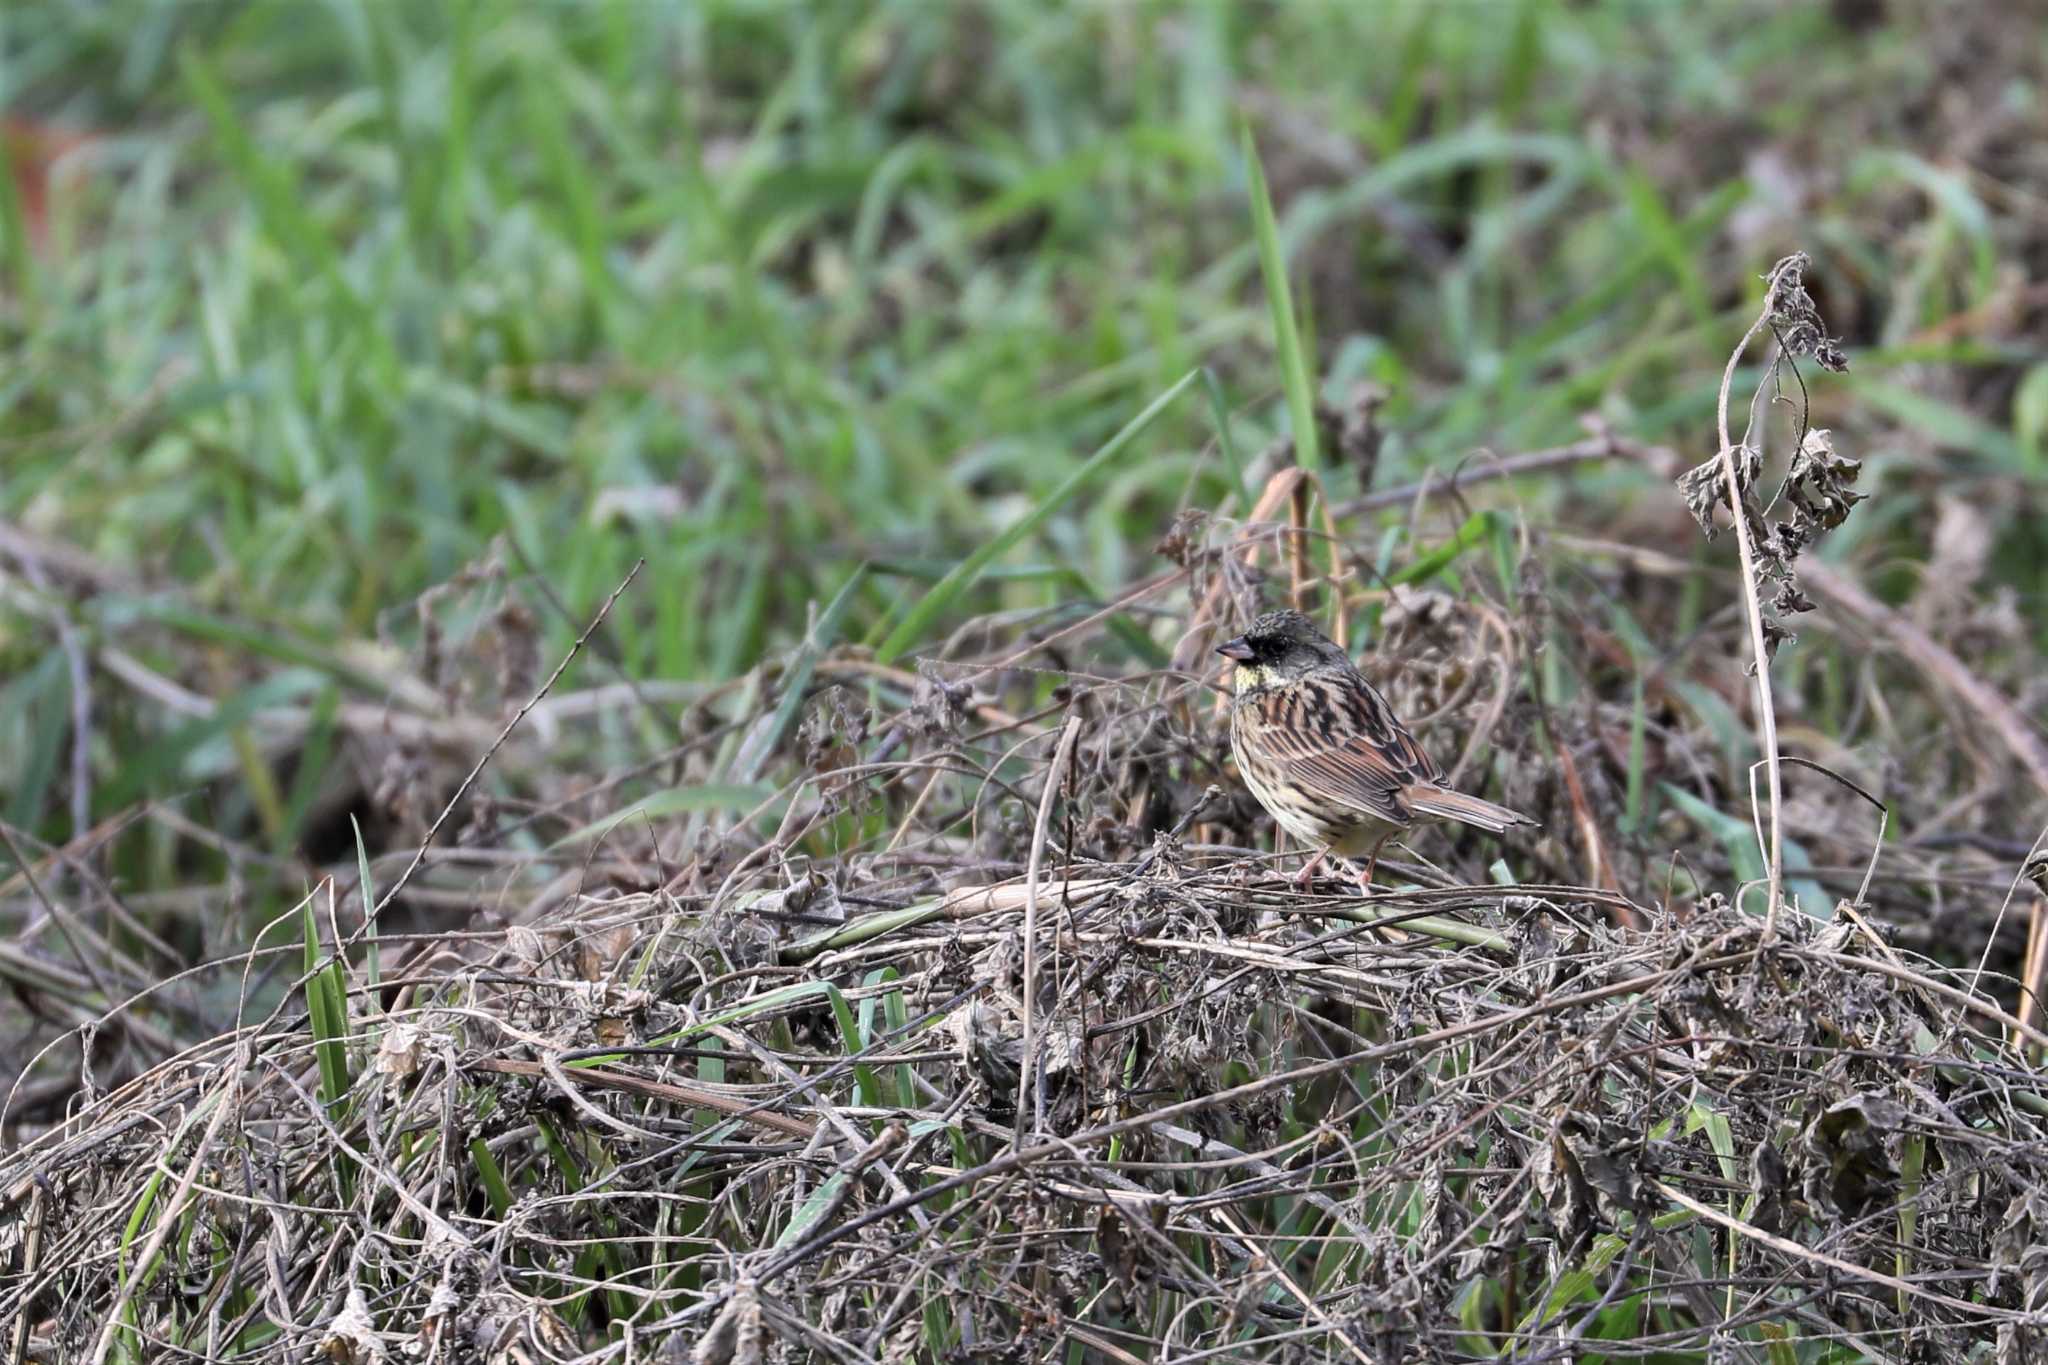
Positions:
{"x": 1324, "y": 753}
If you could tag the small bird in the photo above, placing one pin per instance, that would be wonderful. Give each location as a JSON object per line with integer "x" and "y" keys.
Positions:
{"x": 1324, "y": 753}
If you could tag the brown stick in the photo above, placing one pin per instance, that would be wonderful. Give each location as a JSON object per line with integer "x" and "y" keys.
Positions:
{"x": 1599, "y": 871}
{"x": 2030, "y": 973}
{"x": 1933, "y": 658}
{"x": 1340, "y": 625}
{"x": 1600, "y": 446}
{"x": 1297, "y": 544}
{"x": 1027, "y": 1072}
{"x": 2035, "y": 964}
{"x": 730, "y": 1105}
{"x": 420, "y": 855}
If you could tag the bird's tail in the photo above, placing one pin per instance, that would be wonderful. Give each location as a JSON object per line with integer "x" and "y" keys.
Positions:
{"x": 1438, "y": 803}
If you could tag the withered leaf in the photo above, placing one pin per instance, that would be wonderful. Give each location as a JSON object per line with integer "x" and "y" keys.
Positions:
{"x": 1771, "y": 1182}
{"x": 1790, "y": 599}
{"x": 401, "y": 1051}
{"x": 1818, "y": 484}
{"x": 1851, "y": 1168}
{"x": 1706, "y": 489}
{"x": 1796, "y": 320}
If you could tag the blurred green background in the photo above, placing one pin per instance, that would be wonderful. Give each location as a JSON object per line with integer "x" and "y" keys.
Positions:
{"x": 309, "y": 307}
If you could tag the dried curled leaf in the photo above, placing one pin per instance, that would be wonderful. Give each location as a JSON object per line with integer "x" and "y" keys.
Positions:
{"x": 2018, "y": 1248}
{"x": 351, "y": 1337}
{"x": 1795, "y": 319}
{"x": 1706, "y": 488}
{"x": 1183, "y": 541}
{"x": 1818, "y": 487}
{"x": 1849, "y": 1167}
{"x": 1771, "y": 1182}
{"x": 937, "y": 704}
{"x": 402, "y": 1050}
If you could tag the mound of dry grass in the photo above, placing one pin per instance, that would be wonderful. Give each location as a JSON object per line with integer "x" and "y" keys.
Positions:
{"x": 1191, "y": 1111}
{"x": 1005, "y": 1041}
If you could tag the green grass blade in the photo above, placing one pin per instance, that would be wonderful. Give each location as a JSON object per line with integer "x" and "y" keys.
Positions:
{"x": 1632, "y": 808}
{"x": 780, "y": 998}
{"x": 1665, "y": 237}
{"x": 589, "y": 1257}
{"x": 575, "y": 197}
{"x": 942, "y": 595}
{"x": 1912, "y": 1167}
{"x": 861, "y": 930}
{"x": 260, "y": 784}
{"x": 132, "y": 1233}
{"x": 491, "y": 1177}
{"x": 1576, "y": 1283}
{"x": 1219, "y": 408}
{"x": 811, "y": 1210}
{"x": 327, "y": 1012}
{"x": 1294, "y": 375}
{"x": 38, "y": 703}
{"x": 674, "y": 801}
{"x": 865, "y": 1080}
{"x": 748, "y": 761}
{"x": 896, "y": 1018}
{"x": 1477, "y": 530}
{"x": 372, "y": 968}
{"x": 280, "y": 204}
{"x": 2030, "y": 422}
{"x": 1142, "y": 646}
{"x": 1739, "y": 838}
{"x": 327, "y": 1019}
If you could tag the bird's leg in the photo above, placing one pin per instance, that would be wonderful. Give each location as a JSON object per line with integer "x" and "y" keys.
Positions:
{"x": 1304, "y": 878}
{"x": 1372, "y": 862}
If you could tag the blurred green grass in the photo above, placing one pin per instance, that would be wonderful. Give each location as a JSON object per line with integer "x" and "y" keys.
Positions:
{"x": 335, "y": 296}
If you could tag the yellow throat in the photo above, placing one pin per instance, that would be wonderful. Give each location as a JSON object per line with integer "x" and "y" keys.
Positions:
{"x": 1249, "y": 676}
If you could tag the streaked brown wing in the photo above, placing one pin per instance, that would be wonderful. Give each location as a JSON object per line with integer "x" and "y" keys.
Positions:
{"x": 1336, "y": 738}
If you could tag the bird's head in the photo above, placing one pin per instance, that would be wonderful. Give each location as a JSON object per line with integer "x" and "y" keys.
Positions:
{"x": 1280, "y": 647}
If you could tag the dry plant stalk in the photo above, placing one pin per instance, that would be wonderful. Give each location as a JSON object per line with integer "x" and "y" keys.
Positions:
{"x": 1789, "y": 313}
{"x": 1027, "y": 1073}
{"x": 2034, "y": 973}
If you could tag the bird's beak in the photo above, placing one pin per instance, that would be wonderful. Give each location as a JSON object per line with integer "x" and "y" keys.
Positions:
{"x": 1236, "y": 649}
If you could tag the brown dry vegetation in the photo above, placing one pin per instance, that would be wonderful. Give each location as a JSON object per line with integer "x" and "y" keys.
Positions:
{"x": 1009, "y": 1037}
{"x": 861, "y": 951}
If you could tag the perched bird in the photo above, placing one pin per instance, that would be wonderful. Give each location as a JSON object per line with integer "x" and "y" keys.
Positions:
{"x": 1324, "y": 753}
